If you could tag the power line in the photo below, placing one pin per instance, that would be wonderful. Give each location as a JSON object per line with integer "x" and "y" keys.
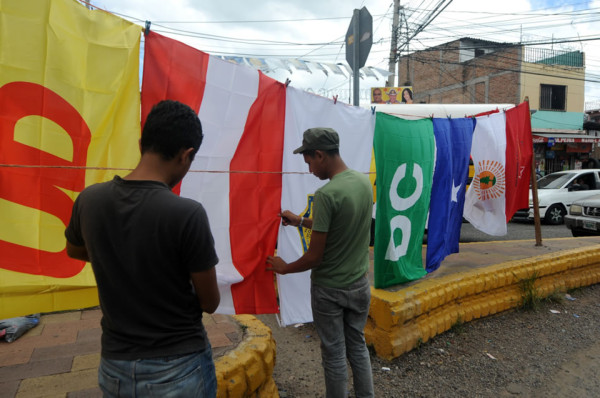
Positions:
{"x": 274, "y": 43}
{"x": 497, "y": 68}
{"x": 463, "y": 24}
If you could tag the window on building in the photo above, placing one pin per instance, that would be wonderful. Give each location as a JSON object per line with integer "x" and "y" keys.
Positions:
{"x": 479, "y": 52}
{"x": 553, "y": 97}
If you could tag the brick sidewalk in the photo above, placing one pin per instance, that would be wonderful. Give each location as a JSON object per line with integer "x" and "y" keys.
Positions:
{"x": 60, "y": 356}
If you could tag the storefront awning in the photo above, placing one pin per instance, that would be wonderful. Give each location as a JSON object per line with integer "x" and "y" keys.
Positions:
{"x": 539, "y": 138}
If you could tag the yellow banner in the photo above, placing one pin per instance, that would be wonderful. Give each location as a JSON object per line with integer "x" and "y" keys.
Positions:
{"x": 69, "y": 117}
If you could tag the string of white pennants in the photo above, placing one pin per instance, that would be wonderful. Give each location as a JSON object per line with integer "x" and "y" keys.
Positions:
{"x": 272, "y": 64}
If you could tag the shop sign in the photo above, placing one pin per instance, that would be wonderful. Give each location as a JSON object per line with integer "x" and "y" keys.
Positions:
{"x": 579, "y": 147}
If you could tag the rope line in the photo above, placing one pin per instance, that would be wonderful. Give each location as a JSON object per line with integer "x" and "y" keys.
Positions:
{"x": 31, "y": 166}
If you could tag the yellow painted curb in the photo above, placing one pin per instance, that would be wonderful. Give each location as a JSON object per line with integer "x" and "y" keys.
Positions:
{"x": 247, "y": 371}
{"x": 400, "y": 321}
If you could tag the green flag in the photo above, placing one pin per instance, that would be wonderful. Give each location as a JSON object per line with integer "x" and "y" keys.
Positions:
{"x": 404, "y": 158}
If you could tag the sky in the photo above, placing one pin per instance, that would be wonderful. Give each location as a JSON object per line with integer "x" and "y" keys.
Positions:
{"x": 314, "y": 31}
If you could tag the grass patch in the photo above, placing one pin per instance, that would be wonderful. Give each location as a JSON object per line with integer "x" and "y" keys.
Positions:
{"x": 556, "y": 297}
{"x": 574, "y": 290}
{"x": 419, "y": 343}
{"x": 458, "y": 326}
{"x": 530, "y": 295}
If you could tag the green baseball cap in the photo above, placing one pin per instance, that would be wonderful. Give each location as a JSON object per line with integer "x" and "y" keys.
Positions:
{"x": 319, "y": 138}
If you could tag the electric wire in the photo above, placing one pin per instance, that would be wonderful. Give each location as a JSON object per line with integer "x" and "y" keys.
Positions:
{"x": 448, "y": 25}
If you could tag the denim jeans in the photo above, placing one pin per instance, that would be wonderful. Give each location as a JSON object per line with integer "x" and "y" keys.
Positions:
{"x": 189, "y": 375}
{"x": 340, "y": 316}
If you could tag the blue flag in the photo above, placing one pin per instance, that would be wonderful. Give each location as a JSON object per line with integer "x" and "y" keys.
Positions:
{"x": 453, "y": 147}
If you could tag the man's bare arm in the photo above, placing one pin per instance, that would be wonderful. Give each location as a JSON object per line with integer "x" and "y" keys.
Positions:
{"x": 207, "y": 290}
{"x": 311, "y": 259}
{"x": 289, "y": 218}
{"x": 77, "y": 252}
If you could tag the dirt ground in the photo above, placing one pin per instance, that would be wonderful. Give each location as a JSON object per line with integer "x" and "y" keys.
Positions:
{"x": 551, "y": 352}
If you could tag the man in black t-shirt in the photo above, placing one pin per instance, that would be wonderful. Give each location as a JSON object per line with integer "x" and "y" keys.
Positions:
{"x": 154, "y": 260}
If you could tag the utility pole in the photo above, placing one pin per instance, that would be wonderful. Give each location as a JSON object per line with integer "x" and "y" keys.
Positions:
{"x": 408, "y": 81}
{"x": 394, "y": 45}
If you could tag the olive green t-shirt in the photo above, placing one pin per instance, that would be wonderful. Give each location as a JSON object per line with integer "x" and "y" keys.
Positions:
{"x": 343, "y": 208}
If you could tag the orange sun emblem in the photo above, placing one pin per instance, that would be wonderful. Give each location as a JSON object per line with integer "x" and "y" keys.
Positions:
{"x": 489, "y": 182}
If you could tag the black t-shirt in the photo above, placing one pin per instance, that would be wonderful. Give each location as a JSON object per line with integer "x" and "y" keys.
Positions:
{"x": 143, "y": 242}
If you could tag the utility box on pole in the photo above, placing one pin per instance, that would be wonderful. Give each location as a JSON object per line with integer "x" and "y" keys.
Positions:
{"x": 359, "y": 40}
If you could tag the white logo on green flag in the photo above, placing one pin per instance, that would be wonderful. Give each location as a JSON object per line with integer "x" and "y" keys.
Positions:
{"x": 399, "y": 204}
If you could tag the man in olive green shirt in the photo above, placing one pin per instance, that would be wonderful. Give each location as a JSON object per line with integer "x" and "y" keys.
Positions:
{"x": 338, "y": 256}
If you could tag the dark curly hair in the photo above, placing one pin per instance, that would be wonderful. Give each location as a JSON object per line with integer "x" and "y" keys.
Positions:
{"x": 170, "y": 127}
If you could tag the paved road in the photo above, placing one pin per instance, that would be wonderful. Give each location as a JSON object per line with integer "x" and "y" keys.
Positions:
{"x": 517, "y": 230}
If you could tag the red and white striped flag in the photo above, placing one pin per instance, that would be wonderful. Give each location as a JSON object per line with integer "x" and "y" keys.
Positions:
{"x": 242, "y": 113}
{"x": 251, "y": 125}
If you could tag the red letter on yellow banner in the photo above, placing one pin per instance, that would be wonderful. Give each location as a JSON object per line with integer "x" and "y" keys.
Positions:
{"x": 69, "y": 117}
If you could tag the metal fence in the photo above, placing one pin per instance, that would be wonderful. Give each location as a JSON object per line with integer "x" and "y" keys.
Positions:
{"x": 554, "y": 57}
{"x": 592, "y": 105}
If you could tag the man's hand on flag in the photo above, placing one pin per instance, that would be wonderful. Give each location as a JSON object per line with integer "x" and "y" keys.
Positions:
{"x": 277, "y": 265}
{"x": 289, "y": 218}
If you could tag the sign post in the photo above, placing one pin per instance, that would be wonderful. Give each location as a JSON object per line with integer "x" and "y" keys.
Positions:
{"x": 359, "y": 40}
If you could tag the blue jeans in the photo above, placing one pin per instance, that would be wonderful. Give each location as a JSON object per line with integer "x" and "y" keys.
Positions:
{"x": 189, "y": 375}
{"x": 340, "y": 316}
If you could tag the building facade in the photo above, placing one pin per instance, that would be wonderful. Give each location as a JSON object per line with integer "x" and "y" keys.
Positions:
{"x": 473, "y": 71}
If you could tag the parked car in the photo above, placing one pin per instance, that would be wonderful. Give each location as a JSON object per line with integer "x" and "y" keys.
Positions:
{"x": 558, "y": 190}
{"x": 584, "y": 216}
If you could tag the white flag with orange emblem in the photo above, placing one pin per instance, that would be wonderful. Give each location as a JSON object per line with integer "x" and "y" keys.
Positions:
{"x": 485, "y": 202}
